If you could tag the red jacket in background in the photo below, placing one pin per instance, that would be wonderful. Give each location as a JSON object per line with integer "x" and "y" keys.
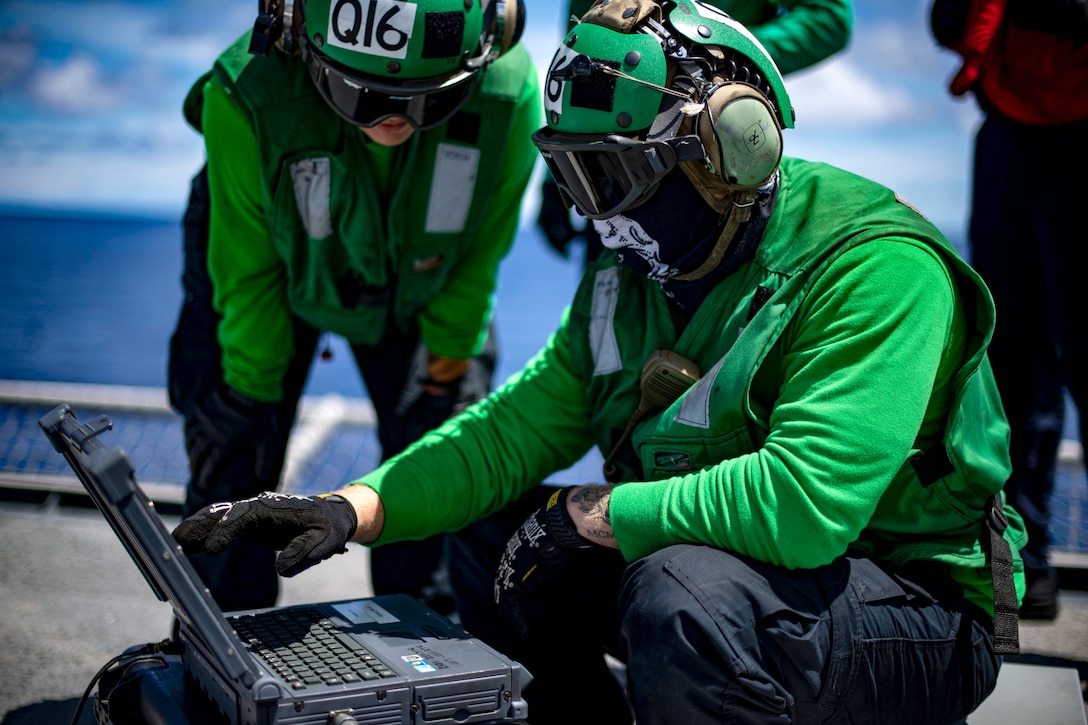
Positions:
{"x": 1030, "y": 76}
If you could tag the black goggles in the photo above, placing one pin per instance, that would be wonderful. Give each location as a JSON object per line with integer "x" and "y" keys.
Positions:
{"x": 366, "y": 101}
{"x": 605, "y": 176}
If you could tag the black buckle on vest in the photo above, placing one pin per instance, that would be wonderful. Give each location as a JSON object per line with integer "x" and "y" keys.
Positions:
{"x": 932, "y": 466}
{"x": 758, "y": 300}
{"x": 996, "y": 517}
{"x": 354, "y": 292}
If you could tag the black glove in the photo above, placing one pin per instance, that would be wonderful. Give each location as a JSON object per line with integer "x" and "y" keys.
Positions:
{"x": 305, "y": 530}
{"x": 425, "y": 404}
{"x": 225, "y": 425}
{"x": 554, "y": 218}
{"x": 537, "y": 552}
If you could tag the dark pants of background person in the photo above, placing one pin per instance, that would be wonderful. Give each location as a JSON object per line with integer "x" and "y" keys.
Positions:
{"x": 714, "y": 637}
{"x": 1028, "y": 242}
{"x": 244, "y": 577}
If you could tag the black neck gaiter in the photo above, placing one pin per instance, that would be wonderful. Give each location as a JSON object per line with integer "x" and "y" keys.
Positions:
{"x": 674, "y": 232}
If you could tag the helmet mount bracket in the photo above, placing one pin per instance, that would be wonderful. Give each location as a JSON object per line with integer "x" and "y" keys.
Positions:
{"x": 267, "y": 28}
{"x": 274, "y": 26}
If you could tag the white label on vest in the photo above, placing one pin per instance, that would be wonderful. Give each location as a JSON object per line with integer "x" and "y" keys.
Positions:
{"x": 373, "y": 27}
{"x": 695, "y": 410}
{"x": 452, "y": 188}
{"x": 310, "y": 178}
{"x": 602, "y": 336}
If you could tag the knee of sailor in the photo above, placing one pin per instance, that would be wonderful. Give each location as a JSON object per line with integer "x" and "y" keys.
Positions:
{"x": 659, "y": 591}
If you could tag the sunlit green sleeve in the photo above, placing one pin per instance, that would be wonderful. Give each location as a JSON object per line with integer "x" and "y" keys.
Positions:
{"x": 808, "y": 32}
{"x": 858, "y": 367}
{"x": 255, "y": 333}
{"x": 534, "y": 425}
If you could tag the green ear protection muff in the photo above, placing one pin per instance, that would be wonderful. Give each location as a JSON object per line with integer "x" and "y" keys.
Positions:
{"x": 506, "y": 21}
{"x": 741, "y": 135}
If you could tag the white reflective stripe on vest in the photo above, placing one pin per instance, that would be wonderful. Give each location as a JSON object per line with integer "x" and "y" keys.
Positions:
{"x": 695, "y": 410}
{"x": 602, "y": 337}
{"x": 451, "y": 188}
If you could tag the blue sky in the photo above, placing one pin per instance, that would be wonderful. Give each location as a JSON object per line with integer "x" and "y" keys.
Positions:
{"x": 91, "y": 94}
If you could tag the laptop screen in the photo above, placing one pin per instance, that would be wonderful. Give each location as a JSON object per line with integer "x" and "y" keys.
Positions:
{"x": 110, "y": 480}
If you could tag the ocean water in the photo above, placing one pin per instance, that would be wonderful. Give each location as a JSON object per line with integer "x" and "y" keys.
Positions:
{"x": 94, "y": 299}
{"x": 90, "y": 298}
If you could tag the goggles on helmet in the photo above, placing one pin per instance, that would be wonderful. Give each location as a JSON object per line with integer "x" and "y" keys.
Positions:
{"x": 364, "y": 100}
{"x": 603, "y": 176}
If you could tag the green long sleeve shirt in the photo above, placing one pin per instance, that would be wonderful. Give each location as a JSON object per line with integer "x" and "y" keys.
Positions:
{"x": 867, "y": 373}
{"x": 250, "y": 274}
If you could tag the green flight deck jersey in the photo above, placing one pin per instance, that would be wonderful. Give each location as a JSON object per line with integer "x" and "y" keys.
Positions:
{"x": 309, "y": 218}
{"x": 837, "y": 365}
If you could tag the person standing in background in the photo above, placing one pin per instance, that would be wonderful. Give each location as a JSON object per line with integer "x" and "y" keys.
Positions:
{"x": 797, "y": 34}
{"x": 365, "y": 167}
{"x": 1026, "y": 64}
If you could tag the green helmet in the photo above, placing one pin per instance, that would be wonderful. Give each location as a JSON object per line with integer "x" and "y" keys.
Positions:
{"x": 376, "y": 59}
{"x": 639, "y": 87}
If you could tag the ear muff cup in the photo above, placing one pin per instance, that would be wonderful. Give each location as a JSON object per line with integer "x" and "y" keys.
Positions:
{"x": 290, "y": 12}
{"x": 507, "y": 23}
{"x": 740, "y": 131}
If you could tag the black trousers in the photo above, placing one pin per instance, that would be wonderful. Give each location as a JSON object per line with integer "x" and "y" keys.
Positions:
{"x": 244, "y": 577}
{"x": 709, "y": 636}
{"x": 1027, "y": 242}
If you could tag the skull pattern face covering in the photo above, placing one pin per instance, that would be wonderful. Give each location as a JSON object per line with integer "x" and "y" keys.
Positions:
{"x": 671, "y": 233}
{"x": 674, "y": 233}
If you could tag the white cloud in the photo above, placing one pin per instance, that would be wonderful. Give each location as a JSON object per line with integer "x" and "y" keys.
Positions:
{"x": 840, "y": 94}
{"x": 112, "y": 76}
{"x": 76, "y": 85}
{"x": 102, "y": 180}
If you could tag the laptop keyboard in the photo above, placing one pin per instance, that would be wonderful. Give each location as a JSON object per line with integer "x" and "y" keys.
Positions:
{"x": 307, "y": 650}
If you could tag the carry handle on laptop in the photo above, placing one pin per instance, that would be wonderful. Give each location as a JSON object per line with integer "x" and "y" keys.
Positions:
{"x": 109, "y": 478}
{"x": 73, "y": 441}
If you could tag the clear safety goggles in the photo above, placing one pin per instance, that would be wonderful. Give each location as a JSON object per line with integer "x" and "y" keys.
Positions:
{"x": 604, "y": 175}
{"x": 366, "y": 101}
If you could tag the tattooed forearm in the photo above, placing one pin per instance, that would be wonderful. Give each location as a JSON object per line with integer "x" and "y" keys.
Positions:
{"x": 591, "y": 503}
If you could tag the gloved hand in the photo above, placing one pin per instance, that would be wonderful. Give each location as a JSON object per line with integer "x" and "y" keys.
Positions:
{"x": 536, "y": 553}
{"x": 964, "y": 79}
{"x": 227, "y": 424}
{"x": 425, "y": 403}
{"x": 305, "y": 530}
{"x": 554, "y": 218}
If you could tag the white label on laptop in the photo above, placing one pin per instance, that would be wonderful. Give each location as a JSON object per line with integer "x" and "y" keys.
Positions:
{"x": 363, "y": 611}
{"x": 418, "y": 663}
